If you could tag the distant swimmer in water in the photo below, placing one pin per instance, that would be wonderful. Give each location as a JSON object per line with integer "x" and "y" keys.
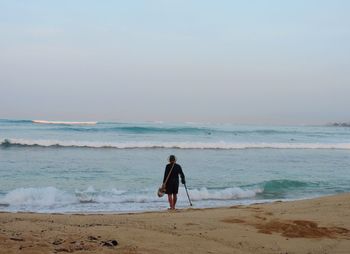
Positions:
{"x": 171, "y": 180}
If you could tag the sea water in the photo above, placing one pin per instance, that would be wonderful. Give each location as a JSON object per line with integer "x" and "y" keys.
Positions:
{"x": 118, "y": 167}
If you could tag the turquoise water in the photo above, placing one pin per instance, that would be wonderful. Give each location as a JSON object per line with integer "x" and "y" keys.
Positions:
{"x": 117, "y": 167}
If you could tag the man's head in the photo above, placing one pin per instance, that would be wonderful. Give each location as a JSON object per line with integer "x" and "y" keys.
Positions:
{"x": 172, "y": 158}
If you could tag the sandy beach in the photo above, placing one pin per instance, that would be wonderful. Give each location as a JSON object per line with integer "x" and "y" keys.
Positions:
{"x": 319, "y": 225}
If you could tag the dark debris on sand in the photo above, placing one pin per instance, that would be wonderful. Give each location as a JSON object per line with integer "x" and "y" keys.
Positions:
{"x": 92, "y": 243}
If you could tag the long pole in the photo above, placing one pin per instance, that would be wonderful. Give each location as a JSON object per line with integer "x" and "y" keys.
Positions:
{"x": 188, "y": 195}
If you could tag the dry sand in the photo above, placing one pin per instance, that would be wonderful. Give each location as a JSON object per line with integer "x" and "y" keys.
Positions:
{"x": 309, "y": 226}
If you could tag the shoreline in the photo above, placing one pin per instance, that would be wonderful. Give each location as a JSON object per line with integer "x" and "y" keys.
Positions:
{"x": 129, "y": 212}
{"x": 320, "y": 225}
{"x": 181, "y": 208}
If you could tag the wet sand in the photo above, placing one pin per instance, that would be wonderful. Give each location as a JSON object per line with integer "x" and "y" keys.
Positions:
{"x": 310, "y": 226}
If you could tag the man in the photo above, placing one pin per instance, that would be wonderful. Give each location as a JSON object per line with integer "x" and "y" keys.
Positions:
{"x": 171, "y": 180}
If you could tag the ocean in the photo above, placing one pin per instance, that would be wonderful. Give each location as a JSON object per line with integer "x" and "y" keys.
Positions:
{"x": 112, "y": 167}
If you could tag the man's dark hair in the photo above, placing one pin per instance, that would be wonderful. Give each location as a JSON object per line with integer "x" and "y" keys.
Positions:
{"x": 172, "y": 158}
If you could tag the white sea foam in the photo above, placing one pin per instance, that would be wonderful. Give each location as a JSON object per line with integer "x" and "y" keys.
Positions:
{"x": 224, "y": 194}
{"x": 179, "y": 145}
{"x": 53, "y": 197}
{"x": 45, "y": 196}
{"x": 100, "y": 196}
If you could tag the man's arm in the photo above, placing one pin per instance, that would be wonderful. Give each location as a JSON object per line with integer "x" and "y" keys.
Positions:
{"x": 183, "y": 181}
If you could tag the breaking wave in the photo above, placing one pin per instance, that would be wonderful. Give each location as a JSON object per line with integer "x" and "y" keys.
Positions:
{"x": 51, "y": 196}
{"x": 63, "y": 122}
{"x": 179, "y": 145}
{"x": 224, "y": 194}
{"x": 283, "y": 185}
{"x": 52, "y": 199}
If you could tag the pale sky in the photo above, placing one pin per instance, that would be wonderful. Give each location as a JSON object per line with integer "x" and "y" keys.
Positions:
{"x": 278, "y": 62}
